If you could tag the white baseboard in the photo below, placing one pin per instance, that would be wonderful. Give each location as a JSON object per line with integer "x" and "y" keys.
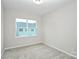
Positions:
{"x": 23, "y": 45}
{"x": 60, "y": 50}
{"x": 39, "y": 43}
{"x": 2, "y": 52}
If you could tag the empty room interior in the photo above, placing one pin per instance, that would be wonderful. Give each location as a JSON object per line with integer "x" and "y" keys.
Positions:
{"x": 39, "y": 29}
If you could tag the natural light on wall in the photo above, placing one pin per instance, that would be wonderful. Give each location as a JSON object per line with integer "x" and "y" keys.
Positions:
{"x": 38, "y": 1}
{"x": 26, "y": 28}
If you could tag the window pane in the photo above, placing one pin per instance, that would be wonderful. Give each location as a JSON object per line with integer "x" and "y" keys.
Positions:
{"x": 32, "y": 27}
{"x": 25, "y": 27}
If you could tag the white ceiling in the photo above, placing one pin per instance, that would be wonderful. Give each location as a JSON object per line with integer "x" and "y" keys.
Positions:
{"x": 32, "y": 8}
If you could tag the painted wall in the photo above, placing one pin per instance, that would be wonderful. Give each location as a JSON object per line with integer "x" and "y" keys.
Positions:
{"x": 10, "y": 30}
{"x": 60, "y": 29}
{"x": 2, "y": 29}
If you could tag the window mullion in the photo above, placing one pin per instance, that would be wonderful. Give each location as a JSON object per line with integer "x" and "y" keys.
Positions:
{"x": 27, "y": 25}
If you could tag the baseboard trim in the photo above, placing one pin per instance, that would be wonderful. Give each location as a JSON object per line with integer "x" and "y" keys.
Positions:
{"x": 39, "y": 43}
{"x": 23, "y": 45}
{"x": 2, "y": 53}
{"x": 60, "y": 50}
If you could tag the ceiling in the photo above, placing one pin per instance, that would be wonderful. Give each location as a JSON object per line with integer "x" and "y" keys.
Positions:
{"x": 30, "y": 7}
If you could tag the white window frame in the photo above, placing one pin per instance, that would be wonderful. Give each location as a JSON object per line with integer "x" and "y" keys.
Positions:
{"x": 27, "y": 25}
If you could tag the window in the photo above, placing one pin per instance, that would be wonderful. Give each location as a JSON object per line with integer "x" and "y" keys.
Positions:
{"x": 25, "y": 27}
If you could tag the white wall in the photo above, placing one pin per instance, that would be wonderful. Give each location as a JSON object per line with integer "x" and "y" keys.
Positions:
{"x": 10, "y": 29}
{"x": 2, "y": 29}
{"x": 60, "y": 28}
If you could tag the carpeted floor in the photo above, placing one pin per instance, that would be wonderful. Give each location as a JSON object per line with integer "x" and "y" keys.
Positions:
{"x": 39, "y": 51}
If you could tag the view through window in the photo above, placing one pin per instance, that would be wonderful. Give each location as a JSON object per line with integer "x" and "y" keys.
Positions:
{"x": 25, "y": 27}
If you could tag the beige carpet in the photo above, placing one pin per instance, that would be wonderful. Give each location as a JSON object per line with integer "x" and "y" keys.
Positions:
{"x": 39, "y": 51}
